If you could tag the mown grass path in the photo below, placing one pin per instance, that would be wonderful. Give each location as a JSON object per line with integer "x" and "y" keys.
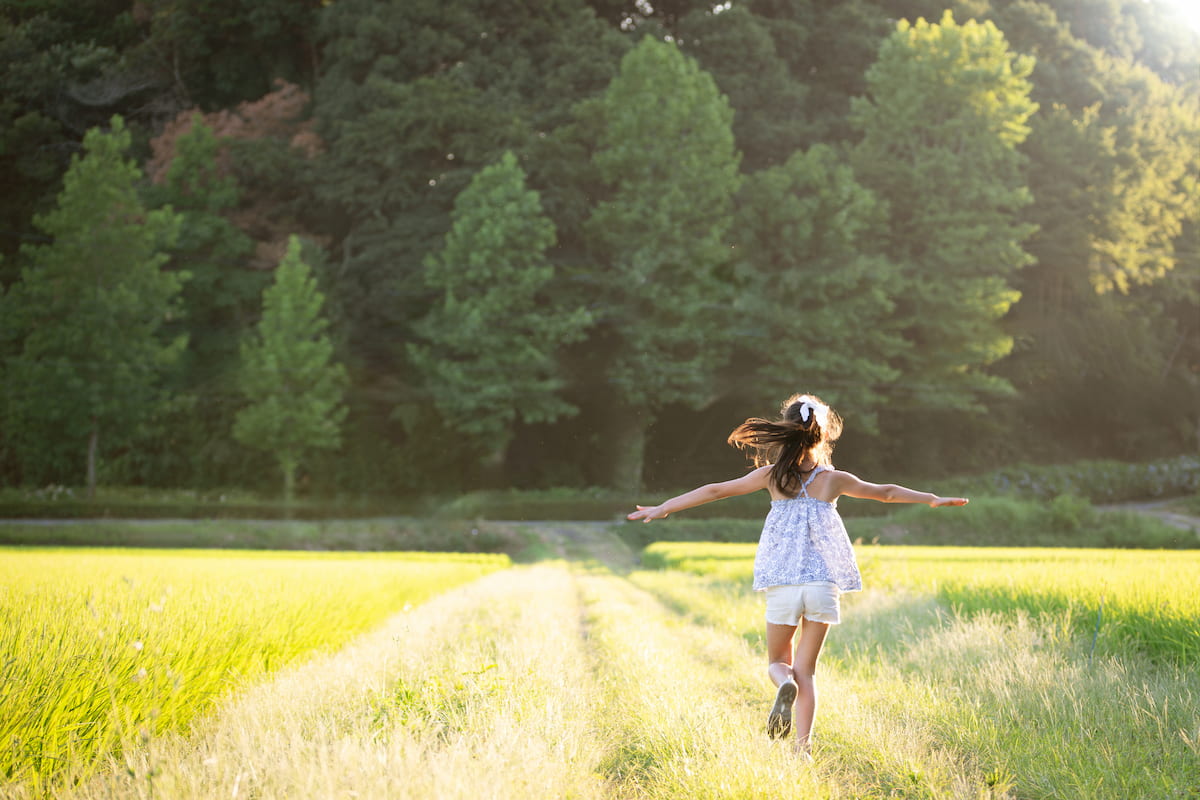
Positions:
{"x": 584, "y": 679}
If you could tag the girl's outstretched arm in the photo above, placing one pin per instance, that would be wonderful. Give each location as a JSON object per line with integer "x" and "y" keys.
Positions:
{"x": 852, "y": 486}
{"x": 746, "y": 484}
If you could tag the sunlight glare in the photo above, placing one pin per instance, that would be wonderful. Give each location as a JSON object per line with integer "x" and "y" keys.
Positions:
{"x": 1186, "y": 10}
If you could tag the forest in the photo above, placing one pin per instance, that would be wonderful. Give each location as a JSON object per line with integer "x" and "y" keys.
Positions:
{"x": 403, "y": 247}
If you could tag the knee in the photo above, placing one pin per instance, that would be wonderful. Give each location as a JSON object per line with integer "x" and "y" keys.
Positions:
{"x": 803, "y": 673}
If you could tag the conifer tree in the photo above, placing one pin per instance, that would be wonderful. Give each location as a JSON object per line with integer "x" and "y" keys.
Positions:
{"x": 219, "y": 303}
{"x": 489, "y": 344}
{"x": 658, "y": 242}
{"x": 814, "y": 296}
{"x": 293, "y": 385}
{"x": 947, "y": 105}
{"x": 85, "y": 321}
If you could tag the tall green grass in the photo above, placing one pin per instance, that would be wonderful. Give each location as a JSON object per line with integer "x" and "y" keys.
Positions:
{"x": 1141, "y": 600}
{"x": 103, "y": 647}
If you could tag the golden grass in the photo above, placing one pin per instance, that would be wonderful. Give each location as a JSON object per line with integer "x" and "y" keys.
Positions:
{"x": 108, "y": 647}
{"x": 481, "y": 692}
{"x": 565, "y": 681}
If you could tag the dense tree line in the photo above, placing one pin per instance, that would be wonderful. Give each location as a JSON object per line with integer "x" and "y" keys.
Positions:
{"x": 573, "y": 242}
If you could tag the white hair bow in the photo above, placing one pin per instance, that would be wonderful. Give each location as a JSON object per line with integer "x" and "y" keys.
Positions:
{"x": 808, "y": 408}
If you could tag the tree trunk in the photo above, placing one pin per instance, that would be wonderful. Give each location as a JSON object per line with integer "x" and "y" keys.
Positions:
{"x": 289, "y": 485}
{"x": 93, "y": 444}
{"x": 493, "y": 468}
{"x": 629, "y": 449}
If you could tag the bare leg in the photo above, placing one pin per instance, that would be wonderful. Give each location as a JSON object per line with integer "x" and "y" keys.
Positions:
{"x": 779, "y": 652}
{"x": 779, "y": 669}
{"x": 804, "y": 668}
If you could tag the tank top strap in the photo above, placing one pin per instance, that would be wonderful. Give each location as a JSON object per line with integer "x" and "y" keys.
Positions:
{"x": 816, "y": 471}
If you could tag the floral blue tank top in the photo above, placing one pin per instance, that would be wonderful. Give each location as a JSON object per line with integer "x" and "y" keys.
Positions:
{"x": 804, "y": 539}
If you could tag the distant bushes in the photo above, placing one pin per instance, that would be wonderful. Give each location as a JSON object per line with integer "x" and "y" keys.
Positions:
{"x": 1066, "y": 521}
{"x": 63, "y": 502}
{"x": 1098, "y": 481}
{"x": 544, "y": 504}
{"x": 364, "y": 535}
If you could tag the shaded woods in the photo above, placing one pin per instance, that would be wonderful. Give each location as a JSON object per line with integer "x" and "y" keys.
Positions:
{"x": 574, "y": 242}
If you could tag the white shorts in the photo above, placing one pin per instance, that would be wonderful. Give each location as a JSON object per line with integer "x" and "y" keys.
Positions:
{"x": 819, "y": 601}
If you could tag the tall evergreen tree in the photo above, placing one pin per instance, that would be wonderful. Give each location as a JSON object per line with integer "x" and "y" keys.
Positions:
{"x": 947, "y": 105}
{"x": 292, "y": 384}
{"x": 813, "y": 294}
{"x": 489, "y": 344}
{"x": 86, "y": 319}
{"x": 737, "y": 48}
{"x": 219, "y": 304}
{"x": 659, "y": 244}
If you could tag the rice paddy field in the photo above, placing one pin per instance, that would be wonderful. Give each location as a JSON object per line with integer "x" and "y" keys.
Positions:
{"x": 102, "y": 647}
{"x": 980, "y": 673}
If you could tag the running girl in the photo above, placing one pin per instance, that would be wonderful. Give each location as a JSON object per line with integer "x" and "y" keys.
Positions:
{"x": 804, "y": 559}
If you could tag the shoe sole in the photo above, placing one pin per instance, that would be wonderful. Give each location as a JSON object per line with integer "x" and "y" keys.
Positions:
{"x": 779, "y": 723}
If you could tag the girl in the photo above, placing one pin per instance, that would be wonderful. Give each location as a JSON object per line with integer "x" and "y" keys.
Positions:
{"x": 804, "y": 559}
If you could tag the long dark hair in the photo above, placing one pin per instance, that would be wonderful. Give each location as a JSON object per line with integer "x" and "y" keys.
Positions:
{"x": 806, "y": 426}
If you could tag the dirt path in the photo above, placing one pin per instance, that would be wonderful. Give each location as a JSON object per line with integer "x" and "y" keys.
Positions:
{"x": 1161, "y": 509}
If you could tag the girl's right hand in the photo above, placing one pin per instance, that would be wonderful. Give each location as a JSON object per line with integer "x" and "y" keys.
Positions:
{"x": 646, "y": 513}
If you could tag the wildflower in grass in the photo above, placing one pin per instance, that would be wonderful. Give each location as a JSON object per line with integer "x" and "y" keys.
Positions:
{"x": 804, "y": 559}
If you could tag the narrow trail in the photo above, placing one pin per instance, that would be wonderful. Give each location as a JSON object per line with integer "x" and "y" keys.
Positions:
{"x": 1160, "y": 509}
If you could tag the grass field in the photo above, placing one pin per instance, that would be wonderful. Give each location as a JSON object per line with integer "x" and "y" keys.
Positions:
{"x": 101, "y": 647}
{"x": 1144, "y": 600}
{"x": 577, "y": 679}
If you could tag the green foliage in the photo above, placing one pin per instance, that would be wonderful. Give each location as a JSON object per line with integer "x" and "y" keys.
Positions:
{"x": 140, "y": 502}
{"x": 224, "y": 51}
{"x": 1098, "y": 481}
{"x": 488, "y": 354}
{"x": 1065, "y": 521}
{"x": 39, "y": 57}
{"x": 742, "y": 51}
{"x": 881, "y": 270}
{"x": 660, "y": 234}
{"x": 85, "y": 321}
{"x": 288, "y": 374}
{"x": 813, "y": 299}
{"x": 219, "y": 303}
{"x": 545, "y": 504}
{"x": 392, "y": 535}
{"x": 947, "y": 106}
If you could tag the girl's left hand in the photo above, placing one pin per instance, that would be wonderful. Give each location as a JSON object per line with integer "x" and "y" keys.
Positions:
{"x": 647, "y": 513}
{"x": 949, "y": 501}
